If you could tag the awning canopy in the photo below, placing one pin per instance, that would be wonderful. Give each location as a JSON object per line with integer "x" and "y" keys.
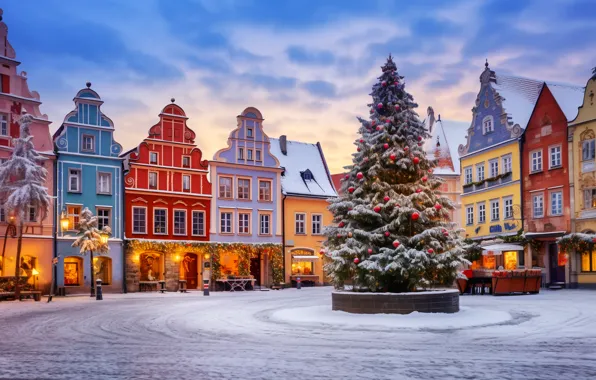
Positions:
{"x": 497, "y": 249}
{"x": 304, "y": 258}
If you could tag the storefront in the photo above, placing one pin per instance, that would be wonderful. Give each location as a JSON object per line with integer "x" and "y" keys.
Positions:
{"x": 306, "y": 266}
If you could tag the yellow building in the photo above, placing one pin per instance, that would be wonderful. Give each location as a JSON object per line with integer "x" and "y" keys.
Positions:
{"x": 582, "y": 177}
{"x": 306, "y": 187}
{"x": 490, "y": 160}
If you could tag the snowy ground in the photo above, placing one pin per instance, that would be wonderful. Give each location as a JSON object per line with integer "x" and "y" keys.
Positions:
{"x": 292, "y": 334}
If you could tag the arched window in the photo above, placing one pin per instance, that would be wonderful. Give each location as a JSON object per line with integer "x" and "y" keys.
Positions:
{"x": 488, "y": 125}
{"x": 73, "y": 271}
{"x": 102, "y": 267}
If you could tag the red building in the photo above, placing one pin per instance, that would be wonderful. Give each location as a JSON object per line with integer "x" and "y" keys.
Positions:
{"x": 545, "y": 173}
{"x": 167, "y": 198}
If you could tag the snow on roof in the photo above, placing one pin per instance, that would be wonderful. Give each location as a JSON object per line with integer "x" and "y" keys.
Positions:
{"x": 569, "y": 98}
{"x": 518, "y": 96}
{"x": 445, "y": 134}
{"x": 300, "y": 160}
{"x": 336, "y": 178}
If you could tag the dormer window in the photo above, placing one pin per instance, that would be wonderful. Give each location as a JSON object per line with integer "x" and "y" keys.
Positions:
{"x": 307, "y": 175}
{"x": 88, "y": 143}
{"x": 487, "y": 125}
{"x": 249, "y": 133}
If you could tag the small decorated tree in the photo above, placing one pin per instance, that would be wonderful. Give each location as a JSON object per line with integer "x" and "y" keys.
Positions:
{"x": 22, "y": 186}
{"x": 391, "y": 230}
{"x": 90, "y": 240}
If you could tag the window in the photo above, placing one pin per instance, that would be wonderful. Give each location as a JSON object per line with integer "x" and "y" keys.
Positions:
{"x": 104, "y": 183}
{"x": 103, "y": 217}
{"x": 258, "y": 155}
{"x": 198, "y": 223}
{"x": 265, "y": 191}
{"x": 588, "y": 148}
{"x": 589, "y": 198}
{"x": 32, "y": 216}
{"x": 2, "y": 215}
{"x": 264, "y": 224}
{"x": 249, "y": 133}
{"x": 243, "y": 188}
{"x": 317, "y": 224}
{"x": 185, "y": 161}
{"x": 302, "y": 268}
{"x": 307, "y": 175}
{"x": 538, "y": 205}
{"x": 487, "y": 125}
{"x": 494, "y": 168}
{"x": 243, "y": 223}
{"x": 153, "y": 158}
{"x": 73, "y": 213}
{"x": 556, "y": 203}
{"x": 160, "y": 221}
{"x": 507, "y": 164}
{"x": 226, "y": 223}
{"x": 152, "y": 180}
{"x": 480, "y": 172}
{"x": 73, "y": 271}
{"x": 469, "y": 215}
{"x": 494, "y": 210}
{"x": 88, "y": 143}
{"x": 481, "y": 212}
{"x": 185, "y": 183}
{"x": 179, "y": 222}
{"x": 74, "y": 180}
{"x": 3, "y": 124}
{"x": 225, "y": 187}
{"x": 536, "y": 161}
{"x": 468, "y": 175}
{"x": 300, "y": 218}
{"x": 249, "y": 154}
{"x": 508, "y": 207}
{"x": 241, "y": 153}
{"x": 102, "y": 266}
{"x": 139, "y": 220}
{"x": 555, "y": 157}
{"x": 589, "y": 261}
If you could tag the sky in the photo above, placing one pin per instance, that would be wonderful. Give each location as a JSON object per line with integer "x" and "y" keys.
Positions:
{"x": 307, "y": 65}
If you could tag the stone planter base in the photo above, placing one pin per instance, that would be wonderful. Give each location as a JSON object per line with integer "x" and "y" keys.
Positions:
{"x": 436, "y": 301}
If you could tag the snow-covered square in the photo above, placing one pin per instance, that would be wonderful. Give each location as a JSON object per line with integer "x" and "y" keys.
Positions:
{"x": 292, "y": 334}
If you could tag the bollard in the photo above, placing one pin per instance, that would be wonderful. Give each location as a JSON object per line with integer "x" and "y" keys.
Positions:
{"x": 98, "y": 292}
{"x": 298, "y": 283}
{"x": 205, "y": 287}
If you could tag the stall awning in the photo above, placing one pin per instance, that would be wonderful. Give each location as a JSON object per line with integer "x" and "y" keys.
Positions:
{"x": 304, "y": 258}
{"x": 497, "y": 249}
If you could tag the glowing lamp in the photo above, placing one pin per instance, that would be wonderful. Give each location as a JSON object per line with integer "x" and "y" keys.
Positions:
{"x": 34, "y": 272}
{"x": 207, "y": 256}
{"x": 103, "y": 237}
{"x": 64, "y": 222}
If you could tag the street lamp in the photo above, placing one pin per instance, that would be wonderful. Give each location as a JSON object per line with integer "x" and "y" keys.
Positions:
{"x": 34, "y": 273}
{"x": 64, "y": 222}
{"x": 103, "y": 237}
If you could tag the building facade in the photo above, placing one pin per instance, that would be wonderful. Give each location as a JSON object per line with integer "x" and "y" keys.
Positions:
{"x": 89, "y": 175}
{"x": 247, "y": 195}
{"x": 490, "y": 162}
{"x": 167, "y": 198}
{"x": 306, "y": 187}
{"x": 545, "y": 175}
{"x": 15, "y": 99}
{"x": 581, "y": 146}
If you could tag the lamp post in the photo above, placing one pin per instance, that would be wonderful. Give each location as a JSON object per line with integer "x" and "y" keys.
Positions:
{"x": 64, "y": 222}
{"x": 11, "y": 230}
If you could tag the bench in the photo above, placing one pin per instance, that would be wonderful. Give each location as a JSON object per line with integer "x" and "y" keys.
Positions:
{"x": 182, "y": 286}
{"x": 35, "y": 294}
{"x": 162, "y": 285}
{"x": 6, "y": 295}
{"x": 145, "y": 286}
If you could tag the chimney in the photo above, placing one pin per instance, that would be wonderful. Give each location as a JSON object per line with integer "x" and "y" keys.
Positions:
{"x": 283, "y": 145}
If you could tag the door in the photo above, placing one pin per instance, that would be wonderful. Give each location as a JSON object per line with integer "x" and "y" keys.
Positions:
{"x": 255, "y": 269}
{"x": 189, "y": 265}
{"x": 557, "y": 272}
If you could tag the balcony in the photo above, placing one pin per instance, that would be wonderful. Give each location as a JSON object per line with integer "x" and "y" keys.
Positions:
{"x": 501, "y": 179}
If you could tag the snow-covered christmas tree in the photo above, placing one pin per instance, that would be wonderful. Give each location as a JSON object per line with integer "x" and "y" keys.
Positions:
{"x": 391, "y": 229}
{"x": 22, "y": 185}
{"x": 89, "y": 240}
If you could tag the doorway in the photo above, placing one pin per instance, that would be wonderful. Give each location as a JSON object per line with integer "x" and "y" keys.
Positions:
{"x": 557, "y": 272}
{"x": 191, "y": 273}
{"x": 255, "y": 269}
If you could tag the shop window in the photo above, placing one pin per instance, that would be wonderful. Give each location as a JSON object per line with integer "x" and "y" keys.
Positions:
{"x": 151, "y": 266}
{"x": 73, "y": 271}
{"x": 589, "y": 261}
{"x": 228, "y": 262}
{"x": 302, "y": 268}
{"x": 28, "y": 263}
{"x": 489, "y": 262}
{"x": 513, "y": 259}
{"x": 102, "y": 267}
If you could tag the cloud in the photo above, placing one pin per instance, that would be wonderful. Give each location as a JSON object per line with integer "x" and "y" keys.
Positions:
{"x": 298, "y": 54}
{"x": 320, "y": 88}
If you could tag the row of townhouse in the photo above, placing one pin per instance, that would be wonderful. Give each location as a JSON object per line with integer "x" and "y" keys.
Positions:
{"x": 173, "y": 214}
{"x": 528, "y": 167}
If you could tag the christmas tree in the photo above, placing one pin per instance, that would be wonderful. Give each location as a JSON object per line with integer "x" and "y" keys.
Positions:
{"x": 391, "y": 230}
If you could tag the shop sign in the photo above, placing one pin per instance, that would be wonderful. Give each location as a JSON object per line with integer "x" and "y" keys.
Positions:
{"x": 498, "y": 228}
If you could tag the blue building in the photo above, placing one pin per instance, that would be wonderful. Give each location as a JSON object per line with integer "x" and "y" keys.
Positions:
{"x": 89, "y": 174}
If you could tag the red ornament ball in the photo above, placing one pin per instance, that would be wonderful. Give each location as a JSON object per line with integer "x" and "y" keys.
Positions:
{"x": 430, "y": 250}
{"x": 415, "y": 216}
{"x": 424, "y": 179}
{"x": 377, "y": 209}
{"x": 396, "y": 244}
{"x": 378, "y": 127}
{"x": 419, "y": 138}
{"x": 341, "y": 224}
{"x": 356, "y": 260}
{"x": 418, "y": 190}
{"x": 430, "y": 171}
{"x": 593, "y": 240}
{"x": 361, "y": 141}
{"x": 322, "y": 251}
{"x": 386, "y": 146}
{"x": 392, "y": 157}
{"x": 369, "y": 251}
{"x": 365, "y": 159}
{"x": 347, "y": 176}
{"x": 380, "y": 105}
{"x": 338, "y": 236}
{"x": 416, "y": 160}
{"x": 438, "y": 206}
{"x": 351, "y": 189}
{"x": 383, "y": 83}
{"x": 419, "y": 144}
{"x": 371, "y": 110}
{"x": 359, "y": 175}
{"x": 406, "y": 149}
{"x": 395, "y": 83}
{"x": 386, "y": 199}
{"x": 387, "y": 233}
{"x": 373, "y": 123}
{"x": 445, "y": 233}
{"x": 396, "y": 106}
{"x": 358, "y": 149}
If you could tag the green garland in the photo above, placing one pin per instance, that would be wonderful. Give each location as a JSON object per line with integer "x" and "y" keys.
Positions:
{"x": 580, "y": 243}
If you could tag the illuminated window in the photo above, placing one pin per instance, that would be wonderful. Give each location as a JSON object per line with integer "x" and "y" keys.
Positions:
{"x": 590, "y": 198}
{"x": 73, "y": 271}
{"x": 302, "y": 268}
{"x": 103, "y": 269}
{"x": 589, "y": 261}
{"x": 73, "y": 213}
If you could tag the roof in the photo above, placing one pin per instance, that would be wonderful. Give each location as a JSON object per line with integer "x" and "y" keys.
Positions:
{"x": 569, "y": 98}
{"x": 518, "y": 96}
{"x": 445, "y": 134}
{"x": 301, "y": 157}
